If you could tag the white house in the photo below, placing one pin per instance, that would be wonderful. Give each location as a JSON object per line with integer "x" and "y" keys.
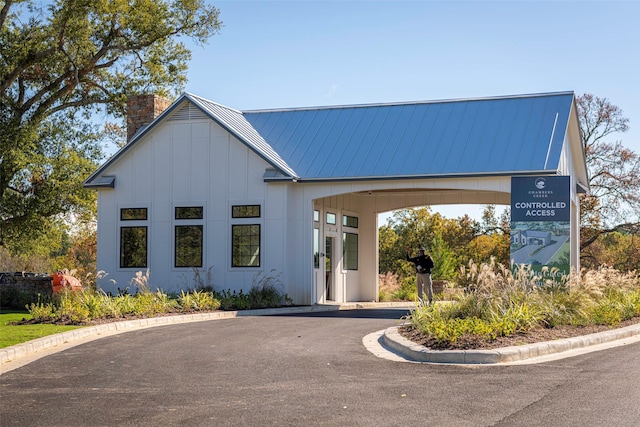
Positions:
{"x": 531, "y": 237}
{"x": 296, "y": 192}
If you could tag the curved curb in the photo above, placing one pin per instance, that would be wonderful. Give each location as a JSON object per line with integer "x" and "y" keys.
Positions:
{"x": 419, "y": 353}
{"x": 83, "y": 334}
{"x": 12, "y": 353}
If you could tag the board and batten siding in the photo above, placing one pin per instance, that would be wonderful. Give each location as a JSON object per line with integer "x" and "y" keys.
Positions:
{"x": 191, "y": 163}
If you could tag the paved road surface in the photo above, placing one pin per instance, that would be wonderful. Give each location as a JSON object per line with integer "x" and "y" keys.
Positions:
{"x": 307, "y": 369}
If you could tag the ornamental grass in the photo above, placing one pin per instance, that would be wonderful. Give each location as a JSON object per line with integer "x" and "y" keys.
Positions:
{"x": 500, "y": 302}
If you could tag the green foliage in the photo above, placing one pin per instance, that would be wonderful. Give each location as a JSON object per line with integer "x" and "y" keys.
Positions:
{"x": 265, "y": 292}
{"x": 197, "y": 301}
{"x": 388, "y": 247}
{"x": 433, "y": 320}
{"x": 450, "y": 242}
{"x": 565, "y": 308}
{"x": 203, "y": 278}
{"x": 13, "y": 332}
{"x": 83, "y": 306}
{"x": 498, "y": 302}
{"x": 43, "y": 190}
{"x": 232, "y": 300}
{"x": 615, "y": 306}
{"x": 444, "y": 259}
{"x": 395, "y": 288}
{"x": 60, "y": 63}
{"x": 42, "y": 311}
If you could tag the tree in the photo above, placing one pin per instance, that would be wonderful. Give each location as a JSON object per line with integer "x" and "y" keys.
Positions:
{"x": 614, "y": 175}
{"x": 444, "y": 259}
{"x": 614, "y": 170}
{"x": 450, "y": 242}
{"x": 389, "y": 250}
{"x": 63, "y": 63}
{"x": 48, "y": 187}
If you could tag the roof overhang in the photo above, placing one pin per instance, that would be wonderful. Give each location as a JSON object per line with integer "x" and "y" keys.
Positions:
{"x": 105, "y": 181}
{"x": 274, "y": 177}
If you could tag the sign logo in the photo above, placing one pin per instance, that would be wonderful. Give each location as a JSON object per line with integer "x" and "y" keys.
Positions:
{"x": 541, "y": 183}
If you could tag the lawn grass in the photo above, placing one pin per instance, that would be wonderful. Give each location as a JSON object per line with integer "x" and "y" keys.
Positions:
{"x": 16, "y": 334}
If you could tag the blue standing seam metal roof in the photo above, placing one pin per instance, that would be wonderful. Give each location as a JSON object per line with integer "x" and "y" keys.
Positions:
{"x": 505, "y": 135}
{"x": 487, "y": 136}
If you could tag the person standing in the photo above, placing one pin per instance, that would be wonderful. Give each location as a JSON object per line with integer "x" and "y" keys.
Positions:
{"x": 423, "y": 264}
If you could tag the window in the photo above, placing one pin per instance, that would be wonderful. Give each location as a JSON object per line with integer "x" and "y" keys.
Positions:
{"x": 189, "y": 242}
{"x": 192, "y": 212}
{"x": 133, "y": 238}
{"x": 133, "y": 247}
{"x": 245, "y": 249}
{"x": 245, "y": 211}
{"x": 350, "y": 221}
{"x": 316, "y": 216}
{"x": 189, "y": 236}
{"x": 316, "y": 248}
{"x": 331, "y": 218}
{"x": 350, "y": 251}
{"x": 133, "y": 214}
{"x": 245, "y": 236}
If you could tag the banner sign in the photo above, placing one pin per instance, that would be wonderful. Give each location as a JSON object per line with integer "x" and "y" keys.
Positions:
{"x": 541, "y": 223}
{"x": 540, "y": 198}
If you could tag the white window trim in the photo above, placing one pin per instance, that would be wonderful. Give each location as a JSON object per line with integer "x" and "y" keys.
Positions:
{"x": 245, "y": 221}
{"x": 120, "y": 223}
{"x": 177, "y": 222}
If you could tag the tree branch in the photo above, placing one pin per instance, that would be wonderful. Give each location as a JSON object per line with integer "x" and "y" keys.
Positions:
{"x": 632, "y": 228}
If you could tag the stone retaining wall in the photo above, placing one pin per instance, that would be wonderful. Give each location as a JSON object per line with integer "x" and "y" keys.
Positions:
{"x": 18, "y": 289}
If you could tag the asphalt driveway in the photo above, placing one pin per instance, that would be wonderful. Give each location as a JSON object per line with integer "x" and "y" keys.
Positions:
{"x": 306, "y": 369}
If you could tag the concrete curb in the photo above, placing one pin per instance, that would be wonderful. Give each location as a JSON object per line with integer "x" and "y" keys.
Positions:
{"x": 17, "y": 351}
{"x": 391, "y": 338}
{"x": 419, "y": 353}
{"x": 9, "y": 354}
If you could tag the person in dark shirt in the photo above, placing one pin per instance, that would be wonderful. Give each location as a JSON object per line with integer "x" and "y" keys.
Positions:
{"x": 424, "y": 264}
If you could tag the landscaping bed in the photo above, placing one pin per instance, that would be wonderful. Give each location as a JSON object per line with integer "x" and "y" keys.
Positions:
{"x": 477, "y": 342}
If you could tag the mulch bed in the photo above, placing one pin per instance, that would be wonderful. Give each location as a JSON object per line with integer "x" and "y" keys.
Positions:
{"x": 475, "y": 342}
{"x": 103, "y": 320}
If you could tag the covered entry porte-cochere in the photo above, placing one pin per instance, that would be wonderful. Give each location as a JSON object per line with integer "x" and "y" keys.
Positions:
{"x": 300, "y": 189}
{"x": 360, "y": 161}
{"x": 345, "y": 228}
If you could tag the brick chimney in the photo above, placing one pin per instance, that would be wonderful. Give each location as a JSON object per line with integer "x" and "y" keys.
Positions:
{"x": 141, "y": 110}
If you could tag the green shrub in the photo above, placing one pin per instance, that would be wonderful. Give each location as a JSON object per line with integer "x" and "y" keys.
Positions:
{"x": 434, "y": 321}
{"x": 499, "y": 302}
{"x": 42, "y": 311}
{"x": 606, "y": 313}
{"x": 71, "y": 308}
{"x": 265, "y": 293}
{"x": 232, "y": 300}
{"x": 94, "y": 303}
{"x": 564, "y": 308}
{"x": 197, "y": 300}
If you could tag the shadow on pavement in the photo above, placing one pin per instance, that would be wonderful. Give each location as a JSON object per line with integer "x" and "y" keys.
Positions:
{"x": 359, "y": 313}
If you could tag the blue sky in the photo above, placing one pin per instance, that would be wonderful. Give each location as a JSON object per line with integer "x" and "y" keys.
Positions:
{"x": 273, "y": 54}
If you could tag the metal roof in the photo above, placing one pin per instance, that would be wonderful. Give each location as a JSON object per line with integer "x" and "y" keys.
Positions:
{"x": 510, "y": 135}
{"x": 505, "y": 135}
{"x": 235, "y": 122}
